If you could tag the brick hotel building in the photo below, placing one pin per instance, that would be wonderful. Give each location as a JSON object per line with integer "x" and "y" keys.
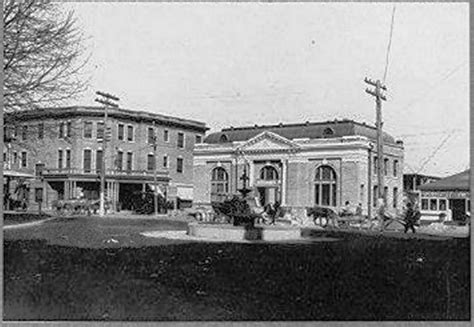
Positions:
{"x": 63, "y": 149}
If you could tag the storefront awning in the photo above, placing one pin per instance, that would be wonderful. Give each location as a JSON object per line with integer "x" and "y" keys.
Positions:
{"x": 17, "y": 174}
{"x": 185, "y": 193}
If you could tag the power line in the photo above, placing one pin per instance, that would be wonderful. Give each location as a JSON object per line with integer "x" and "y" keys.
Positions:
{"x": 434, "y": 152}
{"x": 389, "y": 45}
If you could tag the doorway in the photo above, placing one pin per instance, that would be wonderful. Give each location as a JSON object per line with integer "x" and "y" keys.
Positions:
{"x": 458, "y": 209}
{"x": 268, "y": 195}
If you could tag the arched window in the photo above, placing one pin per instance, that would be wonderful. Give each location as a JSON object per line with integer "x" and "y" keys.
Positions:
{"x": 268, "y": 173}
{"x": 223, "y": 138}
{"x": 325, "y": 186}
{"x": 328, "y": 131}
{"x": 219, "y": 184}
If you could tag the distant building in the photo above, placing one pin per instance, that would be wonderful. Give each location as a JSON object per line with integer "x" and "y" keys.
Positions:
{"x": 411, "y": 182}
{"x": 63, "y": 148}
{"x": 299, "y": 165}
{"x": 449, "y": 196}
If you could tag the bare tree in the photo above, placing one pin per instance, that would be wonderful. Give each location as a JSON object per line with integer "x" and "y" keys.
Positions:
{"x": 44, "y": 55}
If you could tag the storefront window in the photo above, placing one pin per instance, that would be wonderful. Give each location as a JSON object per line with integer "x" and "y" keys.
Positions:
{"x": 424, "y": 204}
{"x": 433, "y": 204}
{"x": 442, "y": 204}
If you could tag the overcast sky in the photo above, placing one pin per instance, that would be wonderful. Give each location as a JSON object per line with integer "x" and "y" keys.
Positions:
{"x": 234, "y": 64}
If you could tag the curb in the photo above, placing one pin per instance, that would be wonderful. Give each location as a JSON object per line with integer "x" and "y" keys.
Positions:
{"x": 34, "y": 223}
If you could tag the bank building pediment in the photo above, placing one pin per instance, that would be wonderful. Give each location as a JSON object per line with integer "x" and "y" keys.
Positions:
{"x": 268, "y": 141}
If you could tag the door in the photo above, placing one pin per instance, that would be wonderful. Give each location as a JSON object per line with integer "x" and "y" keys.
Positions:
{"x": 458, "y": 209}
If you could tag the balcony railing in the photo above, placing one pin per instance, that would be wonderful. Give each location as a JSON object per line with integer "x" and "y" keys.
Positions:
{"x": 113, "y": 172}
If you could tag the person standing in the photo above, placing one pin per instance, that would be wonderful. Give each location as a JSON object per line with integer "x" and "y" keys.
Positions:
{"x": 411, "y": 218}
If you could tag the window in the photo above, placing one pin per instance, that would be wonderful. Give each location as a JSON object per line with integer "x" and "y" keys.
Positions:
{"x": 181, "y": 140}
{"x": 24, "y": 132}
{"x": 60, "y": 159}
{"x": 442, "y": 204}
{"x": 376, "y": 165}
{"x": 16, "y": 131}
{"x": 150, "y": 162}
{"x": 395, "y": 197}
{"x": 130, "y": 133}
{"x": 468, "y": 205}
{"x": 98, "y": 161}
{"x": 166, "y": 136}
{"x": 100, "y": 130}
{"x": 385, "y": 194}
{"x": 88, "y": 129}
{"x": 268, "y": 173}
{"x": 165, "y": 161}
{"x": 198, "y": 139}
{"x": 68, "y": 129}
{"x": 179, "y": 165}
{"x": 24, "y": 159}
{"x": 15, "y": 158}
{"x": 120, "y": 131}
{"x": 68, "y": 158}
{"x": 395, "y": 168}
{"x": 61, "y": 130}
{"x": 39, "y": 169}
{"x": 375, "y": 195}
{"x": 328, "y": 132}
{"x": 424, "y": 204}
{"x": 129, "y": 161}
{"x": 87, "y": 161}
{"x": 223, "y": 138}
{"x": 433, "y": 204}
{"x": 4, "y": 157}
{"x": 385, "y": 167}
{"x": 151, "y": 135}
{"x": 219, "y": 184}
{"x": 325, "y": 186}
{"x": 40, "y": 130}
{"x": 119, "y": 160}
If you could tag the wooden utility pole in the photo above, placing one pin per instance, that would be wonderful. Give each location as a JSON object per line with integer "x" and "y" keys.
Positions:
{"x": 377, "y": 93}
{"x": 106, "y": 100}
{"x": 155, "y": 161}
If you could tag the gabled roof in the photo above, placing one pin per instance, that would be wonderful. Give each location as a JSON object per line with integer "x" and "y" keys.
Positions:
{"x": 457, "y": 182}
{"x": 314, "y": 130}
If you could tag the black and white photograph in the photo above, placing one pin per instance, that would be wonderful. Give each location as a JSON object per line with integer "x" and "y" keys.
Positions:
{"x": 236, "y": 162}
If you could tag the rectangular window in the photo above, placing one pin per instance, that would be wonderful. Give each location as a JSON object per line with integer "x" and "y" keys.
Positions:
{"x": 4, "y": 157}
{"x": 424, "y": 204}
{"x": 60, "y": 159}
{"x": 165, "y": 161}
{"x": 442, "y": 204}
{"x": 376, "y": 165}
{"x": 433, "y": 204}
{"x": 40, "y": 130}
{"x": 16, "y": 131}
{"x": 120, "y": 132}
{"x": 468, "y": 205}
{"x": 88, "y": 129}
{"x": 130, "y": 132}
{"x": 395, "y": 197}
{"x": 61, "y": 130}
{"x": 69, "y": 129}
{"x": 129, "y": 161}
{"x": 98, "y": 161}
{"x": 179, "y": 165}
{"x": 39, "y": 169}
{"x": 24, "y": 132}
{"x": 87, "y": 160}
{"x": 385, "y": 167}
{"x": 395, "y": 168}
{"x": 198, "y": 139}
{"x": 68, "y": 158}
{"x": 15, "y": 158}
{"x": 150, "y": 162}
{"x": 385, "y": 194}
{"x": 100, "y": 130}
{"x": 166, "y": 136}
{"x": 119, "y": 160}
{"x": 151, "y": 135}
{"x": 24, "y": 159}
{"x": 375, "y": 195}
{"x": 325, "y": 195}
{"x": 181, "y": 140}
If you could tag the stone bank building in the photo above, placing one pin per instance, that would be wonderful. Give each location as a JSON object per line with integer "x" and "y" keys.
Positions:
{"x": 299, "y": 165}
{"x": 62, "y": 149}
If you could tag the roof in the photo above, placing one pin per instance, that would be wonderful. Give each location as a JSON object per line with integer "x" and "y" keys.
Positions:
{"x": 94, "y": 111}
{"x": 458, "y": 182}
{"x": 311, "y": 130}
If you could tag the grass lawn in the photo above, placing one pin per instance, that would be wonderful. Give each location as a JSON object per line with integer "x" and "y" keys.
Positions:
{"x": 22, "y": 217}
{"x": 68, "y": 271}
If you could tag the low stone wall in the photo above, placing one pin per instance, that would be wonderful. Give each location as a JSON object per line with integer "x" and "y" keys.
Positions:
{"x": 239, "y": 233}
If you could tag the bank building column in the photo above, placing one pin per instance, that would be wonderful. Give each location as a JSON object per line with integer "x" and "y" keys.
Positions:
{"x": 284, "y": 168}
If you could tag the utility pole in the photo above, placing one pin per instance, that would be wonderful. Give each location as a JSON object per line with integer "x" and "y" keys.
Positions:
{"x": 378, "y": 107}
{"x": 106, "y": 99}
{"x": 155, "y": 156}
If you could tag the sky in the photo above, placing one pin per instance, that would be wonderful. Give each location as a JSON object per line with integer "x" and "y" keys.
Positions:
{"x": 237, "y": 64}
